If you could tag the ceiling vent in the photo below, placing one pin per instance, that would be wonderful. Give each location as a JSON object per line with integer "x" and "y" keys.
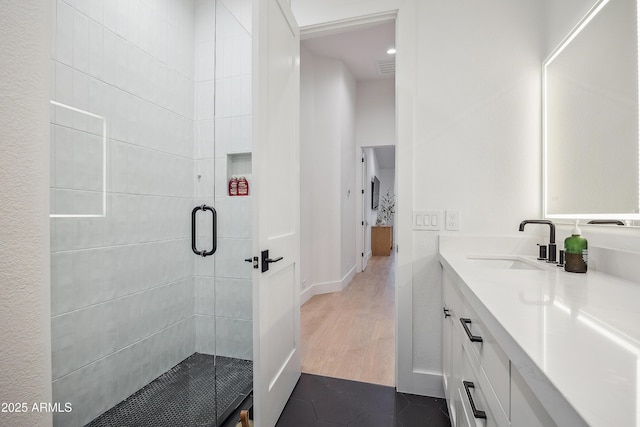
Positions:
{"x": 386, "y": 67}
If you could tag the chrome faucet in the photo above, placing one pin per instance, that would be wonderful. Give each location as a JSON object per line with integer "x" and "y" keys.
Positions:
{"x": 552, "y": 235}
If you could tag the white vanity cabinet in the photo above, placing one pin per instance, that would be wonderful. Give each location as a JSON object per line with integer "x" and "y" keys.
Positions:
{"x": 467, "y": 357}
{"x": 479, "y": 385}
{"x": 556, "y": 349}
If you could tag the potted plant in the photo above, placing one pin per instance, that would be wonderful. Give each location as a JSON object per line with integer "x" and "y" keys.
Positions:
{"x": 386, "y": 209}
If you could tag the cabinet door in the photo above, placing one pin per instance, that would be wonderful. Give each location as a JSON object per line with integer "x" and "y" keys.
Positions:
{"x": 462, "y": 418}
{"x": 526, "y": 410}
{"x": 493, "y": 360}
{"x": 475, "y": 398}
{"x": 447, "y": 352}
{"x": 451, "y": 345}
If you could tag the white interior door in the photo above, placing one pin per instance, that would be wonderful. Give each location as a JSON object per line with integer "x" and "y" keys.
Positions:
{"x": 276, "y": 292}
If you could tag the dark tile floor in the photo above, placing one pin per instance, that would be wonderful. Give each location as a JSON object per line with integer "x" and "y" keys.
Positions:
{"x": 324, "y": 402}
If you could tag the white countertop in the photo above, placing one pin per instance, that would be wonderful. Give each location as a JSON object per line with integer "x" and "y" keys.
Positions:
{"x": 580, "y": 331}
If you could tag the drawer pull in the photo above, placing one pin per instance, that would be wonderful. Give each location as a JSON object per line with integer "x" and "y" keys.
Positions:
{"x": 465, "y": 322}
{"x": 476, "y": 413}
{"x": 446, "y": 312}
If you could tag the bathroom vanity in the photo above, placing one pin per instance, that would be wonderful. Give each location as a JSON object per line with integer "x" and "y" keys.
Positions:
{"x": 527, "y": 344}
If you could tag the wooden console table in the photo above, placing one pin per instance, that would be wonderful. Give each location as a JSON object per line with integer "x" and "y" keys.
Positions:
{"x": 381, "y": 240}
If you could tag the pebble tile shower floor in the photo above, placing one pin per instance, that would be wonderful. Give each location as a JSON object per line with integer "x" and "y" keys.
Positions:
{"x": 185, "y": 395}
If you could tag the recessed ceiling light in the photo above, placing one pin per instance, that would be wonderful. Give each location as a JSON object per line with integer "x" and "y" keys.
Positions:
{"x": 391, "y": 51}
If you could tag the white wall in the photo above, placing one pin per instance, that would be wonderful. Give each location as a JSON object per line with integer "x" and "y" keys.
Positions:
{"x": 477, "y": 119}
{"x": 560, "y": 17}
{"x": 376, "y": 113}
{"x": 307, "y": 150}
{"x": 25, "y": 353}
{"x": 327, "y": 155}
{"x": 349, "y": 195}
{"x": 319, "y": 149}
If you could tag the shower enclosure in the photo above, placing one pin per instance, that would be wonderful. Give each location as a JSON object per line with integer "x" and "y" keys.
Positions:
{"x": 151, "y": 298}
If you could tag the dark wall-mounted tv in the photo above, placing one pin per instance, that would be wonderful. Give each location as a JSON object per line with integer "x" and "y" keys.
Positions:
{"x": 375, "y": 193}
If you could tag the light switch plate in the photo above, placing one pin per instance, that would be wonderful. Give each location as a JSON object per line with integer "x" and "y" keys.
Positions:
{"x": 427, "y": 220}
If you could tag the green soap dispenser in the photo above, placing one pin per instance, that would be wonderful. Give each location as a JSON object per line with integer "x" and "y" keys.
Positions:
{"x": 575, "y": 252}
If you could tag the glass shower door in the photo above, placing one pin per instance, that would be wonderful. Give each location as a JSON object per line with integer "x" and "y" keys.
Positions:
{"x": 122, "y": 190}
{"x": 231, "y": 75}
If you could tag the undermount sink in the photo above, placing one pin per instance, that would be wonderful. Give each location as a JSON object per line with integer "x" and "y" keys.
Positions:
{"x": 504, "y": 262}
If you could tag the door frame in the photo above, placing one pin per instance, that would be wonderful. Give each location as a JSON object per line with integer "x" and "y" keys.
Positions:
{"x": 344, "y": 26}
{"x": 347, "y": 25}
{"x": 361, "y": 220}
{"x": 364, "y": 255}
{"x": 424, "y": 378}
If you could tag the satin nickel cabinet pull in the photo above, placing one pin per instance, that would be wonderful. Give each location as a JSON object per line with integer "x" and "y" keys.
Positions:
{"x": 476, "y": 413}
{"x": 465, "y": 322}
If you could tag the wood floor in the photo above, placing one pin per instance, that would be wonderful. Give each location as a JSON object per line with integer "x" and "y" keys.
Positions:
{"x": 351, "y": 334}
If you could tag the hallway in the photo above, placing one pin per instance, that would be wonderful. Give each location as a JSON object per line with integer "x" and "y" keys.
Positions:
{"x": 351, "y": 334}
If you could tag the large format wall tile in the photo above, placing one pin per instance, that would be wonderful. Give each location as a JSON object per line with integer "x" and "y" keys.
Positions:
{"x": 232, "y": 336}
{"x": 122, "y": 285}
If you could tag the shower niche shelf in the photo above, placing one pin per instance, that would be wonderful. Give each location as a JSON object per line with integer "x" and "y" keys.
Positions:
{"x": 239, "y": 164}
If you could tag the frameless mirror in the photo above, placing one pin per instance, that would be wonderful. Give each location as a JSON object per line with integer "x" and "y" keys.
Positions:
{"x": 590, "y": 118}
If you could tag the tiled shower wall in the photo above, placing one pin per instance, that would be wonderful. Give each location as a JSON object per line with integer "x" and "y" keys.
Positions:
{"x": 129, "y": 298}
{"x": 122, "y": 285}
{"x": 223, "y": 291}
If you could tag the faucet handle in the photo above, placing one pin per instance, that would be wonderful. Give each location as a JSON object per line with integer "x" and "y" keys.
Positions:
{"x": 552, "y": 253}
{"x": 543, "y": 252}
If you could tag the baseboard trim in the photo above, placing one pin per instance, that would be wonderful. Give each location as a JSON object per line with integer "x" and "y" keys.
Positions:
{"x": 319, "y": 288}
{"x": 327, "y": 287}
{"x": 348, "y": 277}
{"x": 423, "y": 384}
